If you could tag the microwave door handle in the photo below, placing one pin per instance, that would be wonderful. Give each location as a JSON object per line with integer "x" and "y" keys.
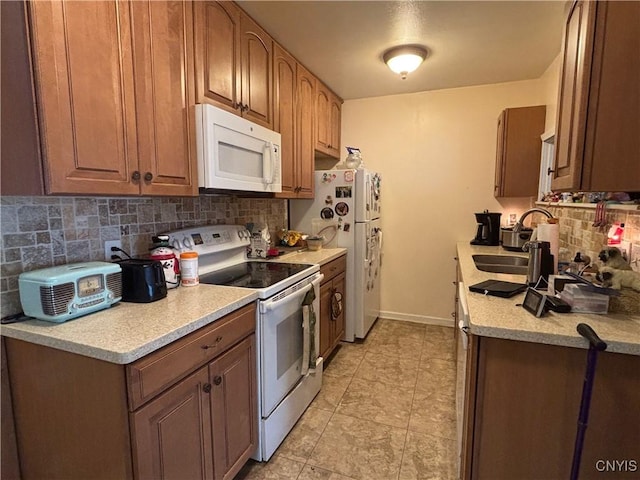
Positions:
{"x": 267, "y": 158}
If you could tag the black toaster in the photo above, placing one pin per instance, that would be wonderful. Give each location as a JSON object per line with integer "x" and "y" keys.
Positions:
{"x": 142, "y": 280}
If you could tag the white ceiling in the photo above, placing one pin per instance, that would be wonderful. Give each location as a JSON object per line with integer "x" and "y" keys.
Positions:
{"x": 469, "y": 42}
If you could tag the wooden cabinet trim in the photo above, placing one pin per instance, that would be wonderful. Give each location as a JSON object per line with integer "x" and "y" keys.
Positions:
{"x": 161, "y": 451}
{"x": 334, "y": 267}
{"x": 154, "y": 373}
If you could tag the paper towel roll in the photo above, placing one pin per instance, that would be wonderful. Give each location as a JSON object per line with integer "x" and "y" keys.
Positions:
{"x": 549, "y": 232}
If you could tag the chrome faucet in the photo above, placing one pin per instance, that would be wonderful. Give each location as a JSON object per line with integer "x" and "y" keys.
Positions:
{"x": 518, "y": 226}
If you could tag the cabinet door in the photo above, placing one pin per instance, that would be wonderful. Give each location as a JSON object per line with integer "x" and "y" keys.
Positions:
{"x": 612, "y": 144}
{"x": 172, "y": 434}
{"x": 217, "y": 37}
{"x": 573, "y": 96}
{"x": 305, "y": 123}
{"x": 284, "y": 118}
{"x": 335, "y": 118}
{"x": 163, "y": 53}
{"x": 326, "y": 292}
{"x": 323, "y": 106}
{"x": 83, "y": 67}
{"x": 338, "y": 320}
{"x": 497, "y": 187}
{"x": 256, "y": 53}
{"x": 519, "y": 147}
{"x": 234, "y": 408}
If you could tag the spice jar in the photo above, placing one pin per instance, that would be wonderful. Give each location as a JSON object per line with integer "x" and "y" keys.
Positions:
{"x": 189, "y": 269}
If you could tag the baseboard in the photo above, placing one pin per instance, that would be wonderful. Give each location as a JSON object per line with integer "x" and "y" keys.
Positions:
{"x": 425, "y": 320}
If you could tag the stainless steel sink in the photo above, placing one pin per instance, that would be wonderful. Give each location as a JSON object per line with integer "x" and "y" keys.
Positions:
{"x": 501, "y": 264}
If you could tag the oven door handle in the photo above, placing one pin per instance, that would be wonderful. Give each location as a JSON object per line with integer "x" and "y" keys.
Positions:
{"x": 273, "y": 304}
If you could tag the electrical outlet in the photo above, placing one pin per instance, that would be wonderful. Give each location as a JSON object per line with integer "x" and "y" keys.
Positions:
{"x": 107, "y": 248}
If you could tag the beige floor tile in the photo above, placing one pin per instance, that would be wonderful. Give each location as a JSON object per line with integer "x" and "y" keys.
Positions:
{"x": 402, "y": 329}
{"x": 438, "y": 349}
{"x": 315, "y": 473}
{"x": 345, "y": 361}
{"x": 277, "y": 468}
{"x": 333, "y": 388}
{"x": 391, "y": 370}
{"x": 428, "y": 458}
{"x": 406, "y": 346}
{"x": 360, "y": 449}
{"x": 304, "y": 436}
{"x": 440, "y": 333}
{"x": 377, "y": 401}
{"x": 434, "y": 413}
{"x": 436, "y": 375}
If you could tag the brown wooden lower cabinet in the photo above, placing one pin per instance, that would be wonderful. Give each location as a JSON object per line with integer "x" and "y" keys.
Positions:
{"x": 522, "y": 415}
{"x": 332, "y": 301}
{"x": 79, "y": 417}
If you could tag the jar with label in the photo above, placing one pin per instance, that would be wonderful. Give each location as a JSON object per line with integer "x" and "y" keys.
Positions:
{"x": 189, "y": 269}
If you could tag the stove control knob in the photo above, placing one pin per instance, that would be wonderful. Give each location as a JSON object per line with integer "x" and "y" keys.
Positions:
{"x": 176, "y": 244}
{"x": 240, "y": 234}
{"x": 186, "y": 241}
{"x": 247, "y": 234}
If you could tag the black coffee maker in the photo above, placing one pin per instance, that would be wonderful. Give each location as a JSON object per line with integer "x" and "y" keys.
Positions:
{"x": 488, "y": 232}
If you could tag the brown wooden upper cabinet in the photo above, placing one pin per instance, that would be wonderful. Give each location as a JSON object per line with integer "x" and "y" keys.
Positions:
{"x": 518, "y": 151}
{"x": 114, "y": 90}
{"x": 329, "y": 114}
{"x": 233, "y": 62}
{"x": 597, "y": 141}
{"x": 293, "y": 118}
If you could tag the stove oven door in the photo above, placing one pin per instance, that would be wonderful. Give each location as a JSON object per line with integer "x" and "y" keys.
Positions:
{"x": 281, "y": 342}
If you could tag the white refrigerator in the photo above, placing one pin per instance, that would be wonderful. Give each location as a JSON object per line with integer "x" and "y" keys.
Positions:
{"x": 346, "y": 212}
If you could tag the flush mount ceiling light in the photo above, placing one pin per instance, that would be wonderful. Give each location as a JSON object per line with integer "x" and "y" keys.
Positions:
{"x": 404, "y": 59}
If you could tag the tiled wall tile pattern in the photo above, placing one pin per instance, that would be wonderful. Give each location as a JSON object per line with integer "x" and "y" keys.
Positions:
{"x": 39, "y": 232}
{"x": 577, "y": 233}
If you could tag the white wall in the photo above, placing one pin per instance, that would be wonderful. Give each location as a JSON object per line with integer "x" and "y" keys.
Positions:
{"x": 436, "y": 153}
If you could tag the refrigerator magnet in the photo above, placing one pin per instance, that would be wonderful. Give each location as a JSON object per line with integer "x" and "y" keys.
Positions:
{"x": 342, "y": 209}
{"x": 346, "y": 227}
{"x": 344, "y": 192}
{"x": 348, "y": 176}
{"x": 326, "y": 213}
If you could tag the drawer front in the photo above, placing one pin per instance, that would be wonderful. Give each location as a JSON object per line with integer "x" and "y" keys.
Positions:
{"x": 334, "y": 267}
{"x": 157, "y": 371}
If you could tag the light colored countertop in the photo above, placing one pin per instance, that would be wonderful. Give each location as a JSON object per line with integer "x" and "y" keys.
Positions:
{"x": 503, "y": 318}
{"x": 320, "y": 257}
{"x": 129, "y": 331}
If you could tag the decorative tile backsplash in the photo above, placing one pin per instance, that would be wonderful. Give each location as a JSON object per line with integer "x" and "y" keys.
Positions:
{"x": 39, "y": 232}
{"x": 577, "y": 233}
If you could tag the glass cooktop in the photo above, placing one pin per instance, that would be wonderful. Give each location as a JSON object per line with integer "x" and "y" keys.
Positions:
{"x": 253, "y": 274}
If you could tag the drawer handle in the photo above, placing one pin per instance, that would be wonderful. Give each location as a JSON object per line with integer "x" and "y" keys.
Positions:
{"x": 206, "y": 388}
{"x": 215, "y": 344}
{"x": 217, "y": 380}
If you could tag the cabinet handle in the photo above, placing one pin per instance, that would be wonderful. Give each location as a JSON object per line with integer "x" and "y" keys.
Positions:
{"x": 550, "y": 171}
{"x": 217, "y": 380}
{"x": 148, "y": 176}
{"x": 245, "y": 108}
{"x": 215, "y": 343}
{"x": 135, "y": 176}
{"x": 206, "y": 388}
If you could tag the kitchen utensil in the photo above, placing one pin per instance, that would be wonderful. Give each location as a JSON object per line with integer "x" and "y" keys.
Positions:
{"x": 58, "y": 294}
{"x": 540, "y": 261}
{"x": 514, "y": 241}
{"x": 143, "y": 280}
{"x": 488, "y": 229}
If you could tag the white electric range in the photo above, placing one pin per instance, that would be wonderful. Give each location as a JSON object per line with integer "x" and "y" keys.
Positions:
{"x": 285, "y": 388}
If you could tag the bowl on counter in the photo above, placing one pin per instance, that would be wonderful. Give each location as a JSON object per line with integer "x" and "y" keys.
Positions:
{"x": 314, "y": 243}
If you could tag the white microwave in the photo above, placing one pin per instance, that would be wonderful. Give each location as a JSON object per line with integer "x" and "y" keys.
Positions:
{"x": 236, "y": 154}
